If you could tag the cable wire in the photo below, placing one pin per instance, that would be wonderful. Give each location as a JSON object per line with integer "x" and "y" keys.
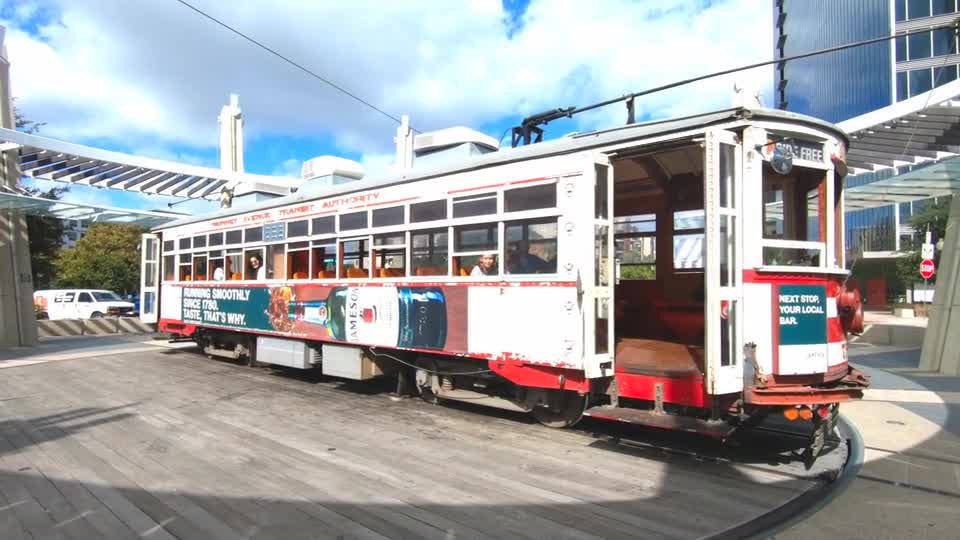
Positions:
{"x": 394, "y": 358}
{"x": 295, "y": 64}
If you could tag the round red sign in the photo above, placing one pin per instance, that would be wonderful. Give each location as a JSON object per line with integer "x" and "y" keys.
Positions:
{"x": 927, "y": 268}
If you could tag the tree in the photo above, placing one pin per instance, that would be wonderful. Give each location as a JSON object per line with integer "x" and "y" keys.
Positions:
{"x": 44, "y": 233}
{"x": 107, "y": 257}
{"x": 934, "y": 219}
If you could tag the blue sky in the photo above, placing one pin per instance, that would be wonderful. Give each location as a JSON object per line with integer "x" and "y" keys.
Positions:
{"x": 149, "y": 78}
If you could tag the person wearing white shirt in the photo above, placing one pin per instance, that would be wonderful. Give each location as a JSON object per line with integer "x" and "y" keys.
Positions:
{"x": 486, "y": 266}
{"x": 256, "y": 262}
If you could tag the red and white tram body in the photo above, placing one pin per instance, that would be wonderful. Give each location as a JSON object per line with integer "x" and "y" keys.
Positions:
{"x": 674, "y": 273}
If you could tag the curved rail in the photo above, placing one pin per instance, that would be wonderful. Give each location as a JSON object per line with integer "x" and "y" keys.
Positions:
{"x": 809, "y": 502}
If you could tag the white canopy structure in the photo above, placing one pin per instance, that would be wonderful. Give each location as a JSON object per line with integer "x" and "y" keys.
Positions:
{"x": 50, "y": 159}
{"x": 915, "y": 143}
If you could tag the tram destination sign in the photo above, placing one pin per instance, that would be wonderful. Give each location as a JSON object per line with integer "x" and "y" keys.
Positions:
{"x": 803, "y": 315}
{"x": 799, "y": 149}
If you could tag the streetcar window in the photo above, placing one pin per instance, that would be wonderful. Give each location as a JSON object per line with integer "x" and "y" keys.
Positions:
{"x": 168, "y": 246}
{"x": 275, "y": 261}
{"x": 470, "y": 242}
{"x": 200, "y": 268}
{"x": 234, "y": 237}
{"x": 635, "y": 244}
{"x": 184, "y": 243}
{"x": 390, "y": 255}
{"x": 234, "y": 262}
{"x": 253, "y": 264}
{"x": 216, "y": 239}
{"x": 324, "y": 261}
{"x": 169, "y": 267}
{"x": 253, "y": 234}
{"x": 186, "y": 267}
{"x": 794, "y": 211}
{"x": 298, "y": 260}
{"x": 688, "y": 231}
{"x": 428, "y": 256}
{"x": 355, "y": 259}
{"x": 428, "y": 211}
{"x": 324, "y": 225}
{"x": 298, "y": 228}
{"x": 475, "y": 205}
{"x": 356, "y": 220}
{"x": 200, "y": 241}
{"x": 531, "y": 247}
{"x": 530, "y": 198}
{"x": 215, "y": 268}
{"x": 384, "y": 217}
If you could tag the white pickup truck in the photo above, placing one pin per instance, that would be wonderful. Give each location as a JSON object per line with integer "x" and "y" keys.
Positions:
{"x": 81, "y": 304}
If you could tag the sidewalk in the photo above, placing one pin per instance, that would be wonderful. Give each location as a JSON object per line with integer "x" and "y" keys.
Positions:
{"x": 909, "y": 486}
{"x": 75, "y": 347}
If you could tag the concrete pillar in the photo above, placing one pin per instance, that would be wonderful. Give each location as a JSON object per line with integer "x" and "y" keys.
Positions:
{"x": 231, "y": 136}
{"x": 18, "y": 324}
{"x": 942, "y": 340}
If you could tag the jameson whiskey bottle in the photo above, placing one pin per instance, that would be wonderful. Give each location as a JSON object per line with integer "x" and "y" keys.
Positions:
{"x": 390, "y": 316}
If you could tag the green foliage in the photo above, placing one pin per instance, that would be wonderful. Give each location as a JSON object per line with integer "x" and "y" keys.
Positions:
{"x": 107, "y": 257}
{"x": 639, "y": 271}
{"x": 933, "y": 219}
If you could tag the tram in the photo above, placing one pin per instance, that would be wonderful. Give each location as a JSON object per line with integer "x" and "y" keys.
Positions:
{"x": 687, "y": 274}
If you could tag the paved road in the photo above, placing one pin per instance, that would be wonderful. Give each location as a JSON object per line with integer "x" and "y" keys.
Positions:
{"x": 169, "y": 444}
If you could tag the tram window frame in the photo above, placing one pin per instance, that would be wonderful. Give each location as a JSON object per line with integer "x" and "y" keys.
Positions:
{"x": 185, "y": 261}
{"x": 212, "y": 258}
{"x": 298, "y": 229}
{"x": 215, "y": 239}
{"x": 169, "y": 246}
{"x": 234, "y": 238}
{"x": 170, "y": 267}
{"x": 431, "y": 250}
{"x": 362, "y": 255}
{"x": 200, "y": 241}
{"x": 184, "y": 243}
{"x": 462, "y": 207}
{"x": 388, "y": 217}
{"x": 424, "y": 212}
{"x": 634, "y": 227}
{"x": 528, "y": 198}
{"x": 350, "y": 225}
{"x": 525, "y": 226}
{"x": 295, "y": 252}
{"x": 473, "y": 252}
{"x": 200, "y": 263}
{"x": 389, "y": 245}
{"x": 275, "y": 258}
{"x": 249, "y": 252}
{"x": 233, "y": 260}
{"x": 324, "y": 247}
{"x": 680, "y": 232}
{"x": 789, "y": 243}
{"x": 253, "y": 234}
{"x": 323, "y": 225}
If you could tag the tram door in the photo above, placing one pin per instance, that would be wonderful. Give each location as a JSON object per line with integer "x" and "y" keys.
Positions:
{"x": 149, "y": 277}
{"x": 723, "y": 261}
{"x": 599, "y": 289}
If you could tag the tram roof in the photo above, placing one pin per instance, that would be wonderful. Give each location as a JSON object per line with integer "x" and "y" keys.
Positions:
{"x": 564, "y": 145}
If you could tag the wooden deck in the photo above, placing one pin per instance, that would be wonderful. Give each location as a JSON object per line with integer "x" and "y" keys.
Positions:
{"x": 169, "y": 444}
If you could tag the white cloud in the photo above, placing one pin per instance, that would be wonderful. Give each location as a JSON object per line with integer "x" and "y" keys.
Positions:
{"x": 158, "y": 72}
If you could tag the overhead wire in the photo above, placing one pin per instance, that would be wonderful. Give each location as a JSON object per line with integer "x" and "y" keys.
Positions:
{"x": 293, "y": 63}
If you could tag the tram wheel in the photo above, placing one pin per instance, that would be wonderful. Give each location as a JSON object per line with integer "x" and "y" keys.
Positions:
{"x": 565, "y": 410}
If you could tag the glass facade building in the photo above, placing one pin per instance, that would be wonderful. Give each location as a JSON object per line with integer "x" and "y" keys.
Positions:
{"x": 845, "y": 84}
{"x": 839, "y": 85}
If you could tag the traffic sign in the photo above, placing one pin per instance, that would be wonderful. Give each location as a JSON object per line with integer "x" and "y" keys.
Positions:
{"x": 926, "y": 251}
{"x": 927, "y": 268}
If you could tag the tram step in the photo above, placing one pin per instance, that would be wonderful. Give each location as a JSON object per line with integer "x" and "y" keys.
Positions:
{"x": 662, "y": 420}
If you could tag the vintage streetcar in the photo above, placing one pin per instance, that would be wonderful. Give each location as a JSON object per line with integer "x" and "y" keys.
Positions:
{"x": 687, "y": 274}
